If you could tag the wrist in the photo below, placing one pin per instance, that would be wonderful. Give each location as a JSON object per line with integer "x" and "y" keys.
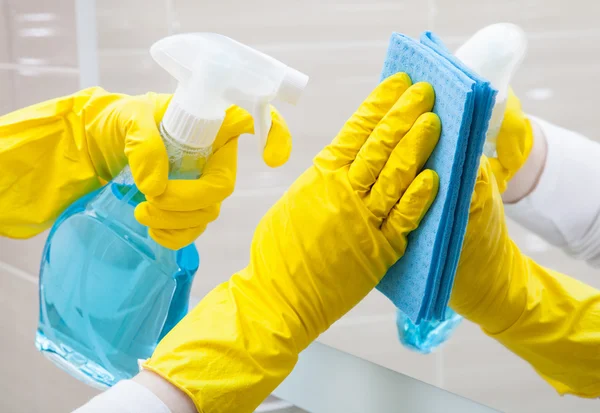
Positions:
{"x": 125, "y": 397}
{"x": 173, "y": 398}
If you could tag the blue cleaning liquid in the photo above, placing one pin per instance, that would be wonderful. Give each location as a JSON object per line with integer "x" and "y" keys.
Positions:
{"x": 426, "y": 336}
{"x": 108, "y": 292}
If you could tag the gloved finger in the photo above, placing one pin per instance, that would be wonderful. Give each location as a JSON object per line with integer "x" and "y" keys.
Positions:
{"x": 238, "y": 122}
{"x": 279, "y": 141}
{"x": 175, "y": 239}
{"x": 374, "y": 154}
{"x": 153, "y": 217}
{"x": 216, "y": 183}
{"x": 501, "y": 174}
{"x": 513, "y": 143}
{"x": 145, "y": 149}
{"x": 356, "y": 131}
{"x": 408, "y": 213}
{"x": 405, "y": 162}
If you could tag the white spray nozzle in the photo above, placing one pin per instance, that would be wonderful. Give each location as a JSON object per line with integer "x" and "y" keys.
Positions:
{"x": 495, "y": 53}
{"x": 215, "y": 72}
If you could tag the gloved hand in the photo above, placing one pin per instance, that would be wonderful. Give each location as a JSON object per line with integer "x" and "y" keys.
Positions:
{"x": 547, "y": 318}
{"x": 53, "y": 153}
{"x": 317, "y": 252}
{"x": 514, "y": 142}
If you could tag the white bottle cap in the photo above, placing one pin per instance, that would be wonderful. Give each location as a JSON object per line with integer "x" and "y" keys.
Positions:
{"x": 189, "y": 129}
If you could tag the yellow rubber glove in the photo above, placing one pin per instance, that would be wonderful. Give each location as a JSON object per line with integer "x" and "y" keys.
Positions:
{"x": 549, "y": 319}
{"x": 514, "y": 142}
{"x": 317, "y": 252}
{"x": 53, "y": 153}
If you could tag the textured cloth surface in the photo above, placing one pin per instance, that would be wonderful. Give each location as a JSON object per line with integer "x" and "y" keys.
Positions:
{"x": 420, "y": 283}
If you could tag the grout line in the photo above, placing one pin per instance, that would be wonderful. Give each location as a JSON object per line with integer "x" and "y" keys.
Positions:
{"x": 87, "y": 43}
{"x": 40, "y": 69}
{"x": 19, "y": 273}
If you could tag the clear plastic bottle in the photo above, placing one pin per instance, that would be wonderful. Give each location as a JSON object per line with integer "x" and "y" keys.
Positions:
{"x": 108, "y": 292}
{"x": 495, "y": 53}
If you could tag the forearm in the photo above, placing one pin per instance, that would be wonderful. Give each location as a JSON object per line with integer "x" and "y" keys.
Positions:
{"x": 558, "y": 333}
{"x": 174, "y": 399}
{"x": 561, "y": 207}
{"x": 44, "y": 164}
{"x": 548, "y": 319}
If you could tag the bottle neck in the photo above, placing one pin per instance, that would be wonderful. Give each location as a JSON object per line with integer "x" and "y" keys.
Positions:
{"x": 185, "y": 161}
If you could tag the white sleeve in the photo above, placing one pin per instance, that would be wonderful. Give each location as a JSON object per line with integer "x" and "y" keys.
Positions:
{"x": 125, "y": 397}
{"x": 564, "y": 208}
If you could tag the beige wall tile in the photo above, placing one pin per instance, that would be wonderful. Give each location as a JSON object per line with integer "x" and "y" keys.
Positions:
{"x": 29, "y": 382}
{"x": 567, "y": 68}
{"x": 6, "y": 91}
{"x": 464, "y": 17}
{"x": 315, "y": 22}
{"x": 34, "y": 85}
{"x": 131, "y": 24}
{"x": 133, "y": 72}
{"x": 42, "y": 33}
{"x": 23, "y": 254}
{"x": 5, "y": 53}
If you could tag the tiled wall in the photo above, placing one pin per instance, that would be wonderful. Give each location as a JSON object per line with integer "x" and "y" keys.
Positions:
{"x": 341, "y": 44}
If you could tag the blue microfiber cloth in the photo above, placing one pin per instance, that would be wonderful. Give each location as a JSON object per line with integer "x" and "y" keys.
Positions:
{"x": 420, "y": 283}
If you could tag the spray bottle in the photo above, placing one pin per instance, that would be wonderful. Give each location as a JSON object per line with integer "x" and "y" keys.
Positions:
{"x": 494, "y": 53}
{"x": 108, "y": 292}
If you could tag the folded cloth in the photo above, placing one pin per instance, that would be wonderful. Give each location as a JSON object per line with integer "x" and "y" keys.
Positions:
{"x": 420, "y": 283}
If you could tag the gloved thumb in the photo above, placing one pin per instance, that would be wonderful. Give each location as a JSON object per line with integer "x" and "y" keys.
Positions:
{"x": 278, "y": 149}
